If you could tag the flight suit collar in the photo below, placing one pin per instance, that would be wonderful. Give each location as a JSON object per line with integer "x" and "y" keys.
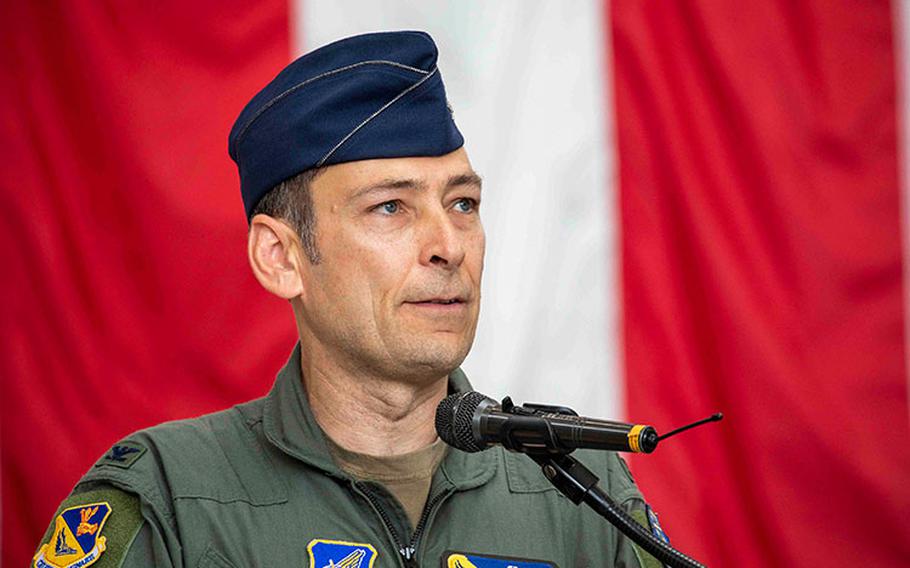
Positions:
{"x": 288, "y": 421}
{"x": 289, "y": 424}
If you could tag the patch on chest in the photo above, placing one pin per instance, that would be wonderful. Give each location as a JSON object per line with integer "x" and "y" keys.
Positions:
{"x": 452, "y": 559}
{"x": 76, "y": 541}
{"x": 340, "y": 554}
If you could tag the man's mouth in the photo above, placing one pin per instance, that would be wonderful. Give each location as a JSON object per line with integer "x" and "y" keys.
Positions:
{"x": 431, "y": 302}
{"x": 444, "y": 309}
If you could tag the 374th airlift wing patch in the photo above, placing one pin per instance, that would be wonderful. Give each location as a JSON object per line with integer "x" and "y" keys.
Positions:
{"x": 76, "y": 541}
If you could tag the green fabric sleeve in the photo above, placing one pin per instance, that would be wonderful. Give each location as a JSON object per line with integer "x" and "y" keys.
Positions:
{"x": 636, "y": 510}
{"x": 624, "y": 491}
{"x": 119, "y": 530}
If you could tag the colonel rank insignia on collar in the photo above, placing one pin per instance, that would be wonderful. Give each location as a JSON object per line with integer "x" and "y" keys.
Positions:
{"x": 340, "y": 554}
{"x": 76, "y": 541}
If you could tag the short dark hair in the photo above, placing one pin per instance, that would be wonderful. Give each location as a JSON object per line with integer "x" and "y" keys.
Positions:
{"x": 292, "y": 202}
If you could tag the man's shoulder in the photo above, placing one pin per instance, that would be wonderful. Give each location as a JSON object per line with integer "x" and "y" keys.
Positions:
{"x": 216, "y": 456}
{"x": 189, "y": 441}
{"x": 200, "y": 437}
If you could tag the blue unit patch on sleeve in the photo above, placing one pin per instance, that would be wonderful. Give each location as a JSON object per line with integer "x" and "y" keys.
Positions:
{"x": 340, "y": 554}
{"x": 452, "y": 559}
{"x": 76, "y": 541}
{"x": 654, "y": 524}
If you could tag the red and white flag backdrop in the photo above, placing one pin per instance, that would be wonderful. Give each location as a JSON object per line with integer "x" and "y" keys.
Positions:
{"x": 690, "y": 206}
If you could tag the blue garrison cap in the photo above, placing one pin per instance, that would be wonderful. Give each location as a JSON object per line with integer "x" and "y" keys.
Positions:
{"x": 377, "y": 95}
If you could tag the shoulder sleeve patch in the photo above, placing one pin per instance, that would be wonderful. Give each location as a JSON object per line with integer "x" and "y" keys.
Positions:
{"x": 122, "y": 454}
{"x": 643, "y": 515}
{"x": 654, "y": 525}
{"x": 90, "y": 528}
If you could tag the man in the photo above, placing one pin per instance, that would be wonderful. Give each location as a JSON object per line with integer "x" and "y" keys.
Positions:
{"x": 364, "y": 214}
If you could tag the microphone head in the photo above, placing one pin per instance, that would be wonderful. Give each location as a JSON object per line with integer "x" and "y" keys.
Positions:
{"x": 454, "y": 420}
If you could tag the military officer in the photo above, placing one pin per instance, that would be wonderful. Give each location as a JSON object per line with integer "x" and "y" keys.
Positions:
{"x": 364, "y": 214}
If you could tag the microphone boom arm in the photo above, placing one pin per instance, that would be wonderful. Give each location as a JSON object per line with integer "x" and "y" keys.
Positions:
{"x": 471, "y": 422}
{"x": 576, "y": 481}
{"x": 579, "y": 484}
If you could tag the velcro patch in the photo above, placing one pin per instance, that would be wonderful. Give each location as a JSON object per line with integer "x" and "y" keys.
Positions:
{"x": 123, "y": 455}
{"x": 76, "y": 541}
{"x": 654, "y": 525}
{"x": 340, "y": 554}
{"x": 642, "y": 513}
{"x": 120, "y": 524}
{"x": 451, "y": 559}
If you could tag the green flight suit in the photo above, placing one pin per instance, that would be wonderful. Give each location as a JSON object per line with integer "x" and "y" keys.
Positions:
{"x": 255, "y": 486}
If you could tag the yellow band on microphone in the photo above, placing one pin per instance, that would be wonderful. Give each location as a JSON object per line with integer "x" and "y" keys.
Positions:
{"x": 634, "y": 434}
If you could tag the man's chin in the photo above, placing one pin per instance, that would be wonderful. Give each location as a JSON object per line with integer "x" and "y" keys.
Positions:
{"x": 431, "y": 364}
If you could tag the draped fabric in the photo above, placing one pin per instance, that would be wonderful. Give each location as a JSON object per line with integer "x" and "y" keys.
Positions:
{"x": 762, "y": 274}
{"x": 690, "y": 207}
{"x": 127, "y": 299}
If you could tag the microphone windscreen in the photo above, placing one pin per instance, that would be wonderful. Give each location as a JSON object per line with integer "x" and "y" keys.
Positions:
{"x": 454, "y": 419}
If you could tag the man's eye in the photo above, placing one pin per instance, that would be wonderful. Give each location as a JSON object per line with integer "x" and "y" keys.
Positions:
{"x": 465, "y": 205}
{"x": 388, "y": 208}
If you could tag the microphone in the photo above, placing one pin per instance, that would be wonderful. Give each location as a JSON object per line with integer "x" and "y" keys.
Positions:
{"x": 472, "y": 422}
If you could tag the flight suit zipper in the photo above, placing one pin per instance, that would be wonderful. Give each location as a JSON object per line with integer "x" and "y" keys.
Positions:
{"x": 432, "y": 504}
{"x": 408, "y": 552}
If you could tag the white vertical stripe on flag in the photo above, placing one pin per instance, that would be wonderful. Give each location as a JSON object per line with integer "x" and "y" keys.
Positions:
{"x": 526, "y": 81}
{"x": 901, "y": 19}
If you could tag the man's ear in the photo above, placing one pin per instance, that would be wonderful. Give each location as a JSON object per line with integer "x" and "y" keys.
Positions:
{"x": 274, "y": 251}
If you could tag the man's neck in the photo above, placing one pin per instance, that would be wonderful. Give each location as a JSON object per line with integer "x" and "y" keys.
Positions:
{"x": 371, "y": 415}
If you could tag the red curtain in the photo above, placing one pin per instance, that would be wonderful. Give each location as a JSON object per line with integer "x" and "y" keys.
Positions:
{"x": 762, "y": 267}
{"x": 123, "y": 231}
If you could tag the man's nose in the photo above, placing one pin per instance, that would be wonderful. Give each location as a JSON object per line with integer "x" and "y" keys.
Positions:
{"x": 442, "y": 241}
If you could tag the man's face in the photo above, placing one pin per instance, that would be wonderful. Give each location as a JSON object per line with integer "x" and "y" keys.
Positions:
{"x": 397, "y": 288}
